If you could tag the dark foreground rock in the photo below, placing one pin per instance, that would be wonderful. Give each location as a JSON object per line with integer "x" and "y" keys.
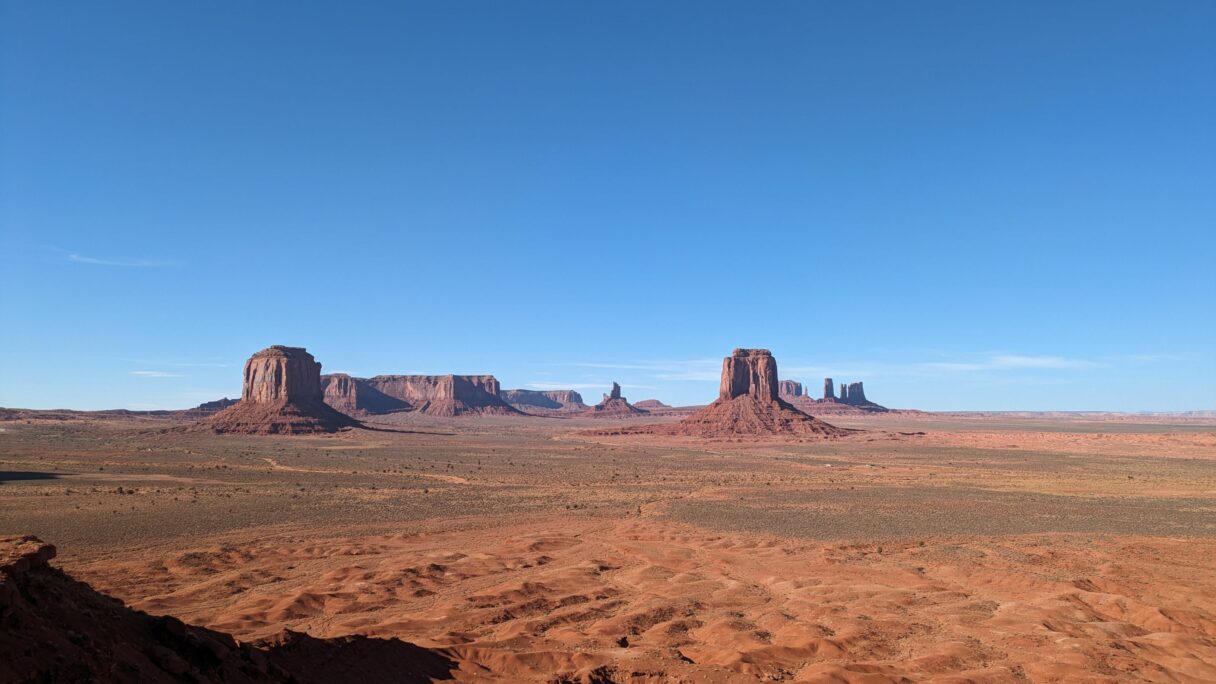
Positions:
{"x": 56, "y": 629}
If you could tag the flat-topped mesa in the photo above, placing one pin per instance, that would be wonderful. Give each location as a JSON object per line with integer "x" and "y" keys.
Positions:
{"x": 547, "y": 400}
{"x": 829, "y": 389}
{"x": 280, "y": 373}
{"x": 356, "y": 396}
{"x": 789, "y": 390}
{"x": 281, "y": 395}
{"x": 749, "y": 372}
{"x": 445, "y": 395}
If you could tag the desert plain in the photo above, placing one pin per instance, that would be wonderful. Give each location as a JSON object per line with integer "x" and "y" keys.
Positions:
{"x": 921, "y": 547}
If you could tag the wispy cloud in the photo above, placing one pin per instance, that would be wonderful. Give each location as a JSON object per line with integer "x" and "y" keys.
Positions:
{"x": 183, "y": 364}
{"x": 155, "y": 374}
{"x": 125, "y": 263}
{"x": 1012, "y": 361}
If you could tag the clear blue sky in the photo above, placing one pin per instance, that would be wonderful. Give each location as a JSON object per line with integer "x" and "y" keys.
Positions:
{"x": 967, "y": 205}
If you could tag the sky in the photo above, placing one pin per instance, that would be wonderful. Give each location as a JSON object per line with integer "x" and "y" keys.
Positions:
{"x": 967, "y": 206}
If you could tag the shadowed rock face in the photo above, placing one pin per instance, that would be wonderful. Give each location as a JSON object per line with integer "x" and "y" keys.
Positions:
{"x": 749, "y": 372}
{"x": 852, "y": 399}
{"x": 357, "y": 396}
{"x": 790, "y": 389}
{"x": 555, "y": 400}
{"x": 445, "y": 395}
{"x": 281, "y": 373}
{"x": 857, "y": 393}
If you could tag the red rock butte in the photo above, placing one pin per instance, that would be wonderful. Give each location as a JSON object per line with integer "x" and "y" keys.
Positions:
{"x": 614, "y": 406}
{"x": 281, "y": 395}
{"x": 748, "y": 405}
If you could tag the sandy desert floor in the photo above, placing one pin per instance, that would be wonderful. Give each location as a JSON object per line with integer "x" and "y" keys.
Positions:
{"x": 922, "y": 548}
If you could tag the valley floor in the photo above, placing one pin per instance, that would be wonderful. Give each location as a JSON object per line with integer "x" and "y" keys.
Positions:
{"x": 923, "y": 548}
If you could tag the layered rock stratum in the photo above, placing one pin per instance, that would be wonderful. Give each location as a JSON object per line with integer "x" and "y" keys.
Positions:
{"x": 445, "y": 395}
{"x": 357, "y": 396}
{"x": 281, "y": 395}
{"x": 548, "y": 400}
{"x": 434, "y": 395}
{"x": 789, "y": 389}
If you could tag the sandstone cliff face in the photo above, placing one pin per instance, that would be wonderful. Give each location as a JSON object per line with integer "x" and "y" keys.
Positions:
{"x": 829, "y": 390}
{"x": 281, "y": 395}
{"x": 281, "y": 373}
{"x": 551, "y": 400}
{"x": 355, "y": 396}
{"x": 749, "y": 372}
{"x": 789, "y": 389}
{"x": 857, "y": 393}
{"x": 445, "y": 395}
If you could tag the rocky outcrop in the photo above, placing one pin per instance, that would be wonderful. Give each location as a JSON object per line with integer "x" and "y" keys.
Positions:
{"x": 852, "y": 399}
{"x": 614, "y": 406}
{"x": 856, "y": 393}
{"x": 356, "y": 396}
{"x": 546, "y": 400}
{"x": 207, "y": 408}
{"x": 281, "y": 395}
{"x": 749, "y": 372}
{"x": 56, "y": 629}
{"x": 789, "y": 389}
{"x": 748, "y": 405}
{"x": 445, "y": 395}
{"x": 281, "y": 373}
{"x": 217, "y": 405}
{"x": 649, "y": 404}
